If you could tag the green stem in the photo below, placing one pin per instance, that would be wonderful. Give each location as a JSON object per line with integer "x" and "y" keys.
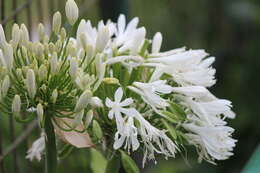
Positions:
{"x": 50, "y": 145}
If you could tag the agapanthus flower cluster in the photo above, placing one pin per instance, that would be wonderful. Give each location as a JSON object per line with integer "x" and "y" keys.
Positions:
{"x": 110, "y": 85}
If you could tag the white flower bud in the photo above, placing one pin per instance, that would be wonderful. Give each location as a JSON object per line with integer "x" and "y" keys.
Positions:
{"x": 5, "y": 86}
{"x": 157, "y": 42}
{"x": 73, "y": 68}
{"x": 54, "y": 63}
{"x": 30, "y": 83}
{"x": 8, "y": 56}
{"x": 40, "y": 113}
{"x": 56, "y": 23}
{"x": 52, "y": 47}
{"x": 41, "y": 31}
{"x": 96, "y": 102}
{"x": 2, "y": 59}
{"x": 89, "y": 118}
{"x": 24, "y": 35}
{"x": 83, "y": 100}
{"x": 19, "y": 73}
{"x": 83, "y": 41}
{"x": 16, "y": 34}
{"x": 72, "y": 11}
{"x": 16, "y": 105}
{"x": 54, "y": 96}
{"x": 2, "y": 37}
{"x": 42, "y": 72}
{"x": 63, "y": 34}
{"x": 102, "y": 39}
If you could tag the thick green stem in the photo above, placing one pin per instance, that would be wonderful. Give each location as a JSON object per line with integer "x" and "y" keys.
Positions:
{"x": 50, "y": 147}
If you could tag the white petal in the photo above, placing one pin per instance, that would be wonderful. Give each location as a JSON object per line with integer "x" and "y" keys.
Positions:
{"x": 126, "y": 102}
{"x": 109, "y": 103}
{"x": 157, "y": 42}
{"x": 118, "y": 95}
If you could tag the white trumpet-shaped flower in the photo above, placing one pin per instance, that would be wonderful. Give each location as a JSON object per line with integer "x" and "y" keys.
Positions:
{"x": 150, "y": 92}
{"x": 214, "y": 141}
{"x": 186, "y": 68}
{"x": 154, "y": 140}
{"x": 37, "y": 149}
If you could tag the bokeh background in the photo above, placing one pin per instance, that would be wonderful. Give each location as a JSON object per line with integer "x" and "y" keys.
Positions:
{"x": 226, "y": 29}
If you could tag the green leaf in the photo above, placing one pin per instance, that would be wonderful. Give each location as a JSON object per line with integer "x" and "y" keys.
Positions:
{"x": 177, "y": 110}
{"x": 113, "y": 165}
{"x": 128, "y": 163}
{"x": 170, "y": 129}
{"x": 170, "y": 117}
{"x": 98, "y": 163}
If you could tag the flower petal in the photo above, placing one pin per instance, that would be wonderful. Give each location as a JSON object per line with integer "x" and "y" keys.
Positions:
{"x": 118, "y": 94}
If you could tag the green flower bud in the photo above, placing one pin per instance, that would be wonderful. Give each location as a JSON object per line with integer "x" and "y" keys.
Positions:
{"x": 40, "y": 113}
{"x": 97, "y": 130}
{"x": 89, "y": 118}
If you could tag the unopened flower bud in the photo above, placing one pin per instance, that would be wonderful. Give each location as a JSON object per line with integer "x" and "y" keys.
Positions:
{"x": 2, "y": 59}
{"x": 83, "y": 100}
{"x": 54, "y": 96}
{"x": 40, "y": 113}
{"x": 42, "y": 72}
{"x": 111, "y": 80}
{"x": 96, "y": 102}
{"x": 16, "y": 105}
{"x": 56, "y": 23}
{"x": 19, "y": 73}
{"x": 83, "y": 41}
{"x": 5, "y": 86}
{"x": 73, "y": 68}
{"x": 71, "y": 48}
{"x": 89, "y": 118}
{"x": 102, "y": 39}
{"x": 52, "y": 47}
{"x": 63, "y": 34}
{"x": 72, "y": 11}
{"x": 8, "y": 54}
{"x": 2, "y": 37}
{"x": 24, "y": 35}
{"x": 30, "y": 83}
{"x": 16, "y": 35}
{"x": 54, "y": 63}
{"x": 97, "y": 130}
{"x": 41, "y": 31}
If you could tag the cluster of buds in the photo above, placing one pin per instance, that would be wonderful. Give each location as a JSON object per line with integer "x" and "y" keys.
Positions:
{"x": 111, "y": 85}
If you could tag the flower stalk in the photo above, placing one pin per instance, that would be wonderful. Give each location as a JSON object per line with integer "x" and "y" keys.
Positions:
{"x": 50, "y": 146}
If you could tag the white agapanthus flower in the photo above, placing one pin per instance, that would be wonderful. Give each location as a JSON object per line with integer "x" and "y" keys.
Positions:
{"x": 37, "y": 149}
{"x": 186, "y": 68}
{"x": 155, "y": 140}
{"x": 150, "y": 92}
{"x": 215, "y": 141}
{"x": 128, "y": 37}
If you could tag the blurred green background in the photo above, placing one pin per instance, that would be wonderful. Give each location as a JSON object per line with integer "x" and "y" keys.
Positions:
{"x": 227, "y": 29}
